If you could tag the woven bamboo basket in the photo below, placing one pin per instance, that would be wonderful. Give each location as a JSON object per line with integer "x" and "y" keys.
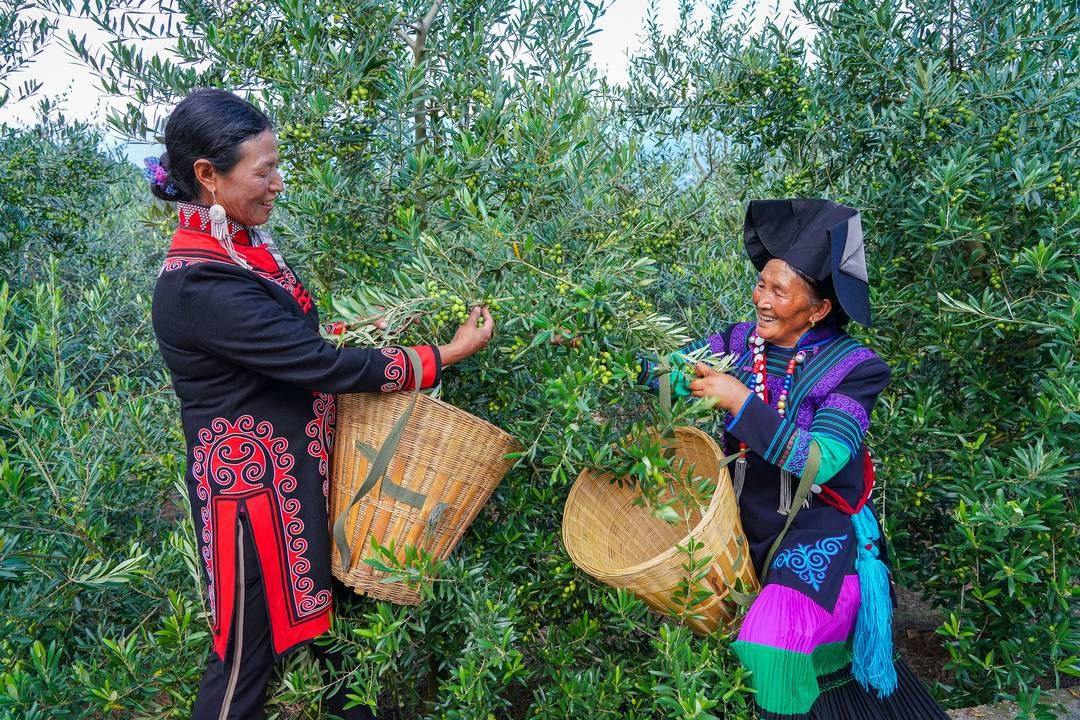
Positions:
{"x": 622, "y": 543}
{"x": 449, "y": 459}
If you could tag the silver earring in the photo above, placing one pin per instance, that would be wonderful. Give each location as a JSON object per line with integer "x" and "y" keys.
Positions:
{"x": 219, "y": 229}
{"x": 219, "y": 223}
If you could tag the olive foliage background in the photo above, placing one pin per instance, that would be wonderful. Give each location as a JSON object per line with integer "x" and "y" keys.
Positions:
{"x": 451, "y": 152}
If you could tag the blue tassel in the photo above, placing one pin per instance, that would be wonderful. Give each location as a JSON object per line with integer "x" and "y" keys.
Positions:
{"x": 872, "y": 664}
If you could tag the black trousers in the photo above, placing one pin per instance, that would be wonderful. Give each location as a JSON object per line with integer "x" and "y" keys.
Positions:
{"x": 236, "y": 689}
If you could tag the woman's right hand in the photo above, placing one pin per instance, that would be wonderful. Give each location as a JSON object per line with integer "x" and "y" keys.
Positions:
{"x": 470, "y": 337}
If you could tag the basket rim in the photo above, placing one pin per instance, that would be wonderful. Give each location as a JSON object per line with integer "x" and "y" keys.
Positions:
{"x": 454, "y": 409}
{"x": 662, "y": 557}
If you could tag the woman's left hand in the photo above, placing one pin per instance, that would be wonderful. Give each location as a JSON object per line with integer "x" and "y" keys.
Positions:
{"x": 729, "y": 393}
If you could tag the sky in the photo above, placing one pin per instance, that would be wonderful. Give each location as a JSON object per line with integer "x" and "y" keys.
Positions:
{"x": 61, "y": 74}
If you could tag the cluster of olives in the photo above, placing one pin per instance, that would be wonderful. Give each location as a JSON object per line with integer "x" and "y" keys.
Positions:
{"x": 481, "y": 96}
{"x": 529, "y": 596}
{"x": 936, "y": 120}
{"x": 660, "y": 244}
{"x": 351, "y": 147}
{"x": 554, "y": 253}
{"x": 1059, "y": 187}
{"x": 1006, "y": 133}
{"x": 362, "y": 260}
{"x": 358, "y": 95}
{"x": 518, "y": 346}
{"x": 453, "y": 307}
{"x": 795, "y": 184}
{"x": 601, "y": 365}
{"x": 295, "y": 133}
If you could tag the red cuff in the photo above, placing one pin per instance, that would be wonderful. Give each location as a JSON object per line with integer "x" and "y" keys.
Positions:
{"x": 334, "y": 328}
{"x": 429, "y": 357}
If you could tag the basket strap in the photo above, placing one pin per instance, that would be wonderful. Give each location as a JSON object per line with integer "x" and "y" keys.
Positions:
{"x": 378, "y": 464}
{"x": 810, "y": 471}
{"x": 806, "y": 482}
{"x": 665, "y": 409}
{"x": 665, "y": 392}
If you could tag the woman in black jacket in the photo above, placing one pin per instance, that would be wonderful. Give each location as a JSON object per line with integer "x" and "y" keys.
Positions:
{"x": 241, "y": 337}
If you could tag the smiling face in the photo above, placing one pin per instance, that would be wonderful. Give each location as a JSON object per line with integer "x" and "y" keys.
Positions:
{"x": 785, "y": 304}
{"x": 248, "y": 190}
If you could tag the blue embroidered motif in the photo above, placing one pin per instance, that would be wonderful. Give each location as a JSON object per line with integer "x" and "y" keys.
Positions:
{"x": 811, "y": 562}
{"x": 799, "y": 453}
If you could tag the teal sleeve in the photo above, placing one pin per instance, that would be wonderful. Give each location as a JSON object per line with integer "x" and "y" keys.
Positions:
{"x": 834, "y": 456}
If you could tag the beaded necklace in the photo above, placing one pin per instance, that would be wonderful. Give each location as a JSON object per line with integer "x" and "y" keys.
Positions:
{"x": 759, "y": 374}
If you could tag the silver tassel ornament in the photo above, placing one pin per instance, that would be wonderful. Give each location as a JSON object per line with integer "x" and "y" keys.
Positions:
{"x": 740, "y": 477}
{"x": 219, "y": 229}
{"x": 785, "y": 493}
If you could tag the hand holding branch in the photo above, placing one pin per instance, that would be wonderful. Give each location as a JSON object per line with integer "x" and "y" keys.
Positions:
{"x": 471, "y": 337}
{"x": 725, "y": 390}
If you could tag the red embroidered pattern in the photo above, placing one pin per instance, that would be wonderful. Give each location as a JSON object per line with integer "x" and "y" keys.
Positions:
{"x": 240, "y": 457}
{"x": 394, "y": 370}
{"x": 322, "y": 430}
{"x": 334, "y": 328}
{"x": 296, "y": 547}
{"x": 175, "y": 263}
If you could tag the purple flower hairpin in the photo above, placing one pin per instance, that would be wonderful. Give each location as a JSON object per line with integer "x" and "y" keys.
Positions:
{"x": 154, "y": 172}
{"x": 158, "y": 176}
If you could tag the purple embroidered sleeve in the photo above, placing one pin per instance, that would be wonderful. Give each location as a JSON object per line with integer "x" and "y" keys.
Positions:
{"x": 716, "y": 343}
{"x": 842, "y": 368}
{"x": 846, "y": 405}
{"x": 738, "y": 336}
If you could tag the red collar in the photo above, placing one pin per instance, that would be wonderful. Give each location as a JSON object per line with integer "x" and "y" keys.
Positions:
{"x": 197, "y": 217}
{"x": 193, "y": 239}
{"x": 192, "y": 243}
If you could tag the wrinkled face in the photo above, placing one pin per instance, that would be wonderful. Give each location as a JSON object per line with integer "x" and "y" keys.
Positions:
{"x": 247, "y": 191}
{"x": 785, "y": 304}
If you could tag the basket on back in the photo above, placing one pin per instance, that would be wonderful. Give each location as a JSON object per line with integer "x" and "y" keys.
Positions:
{"x": 622, "y": 543}
{"x": 442, "y": 472}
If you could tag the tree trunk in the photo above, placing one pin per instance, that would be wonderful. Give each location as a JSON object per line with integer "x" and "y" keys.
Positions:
{"x": 419, "y": 49}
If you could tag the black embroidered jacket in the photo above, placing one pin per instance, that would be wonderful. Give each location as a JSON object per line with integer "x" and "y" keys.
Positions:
{"x": 256, "y": 382}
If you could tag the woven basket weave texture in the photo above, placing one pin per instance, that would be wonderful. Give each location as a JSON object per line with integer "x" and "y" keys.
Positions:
{"x": 453, "y": 458}
{"x": 622, "y": 543}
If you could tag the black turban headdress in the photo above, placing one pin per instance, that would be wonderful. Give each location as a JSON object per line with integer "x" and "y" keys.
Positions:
{"x": 821, "y": 238}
